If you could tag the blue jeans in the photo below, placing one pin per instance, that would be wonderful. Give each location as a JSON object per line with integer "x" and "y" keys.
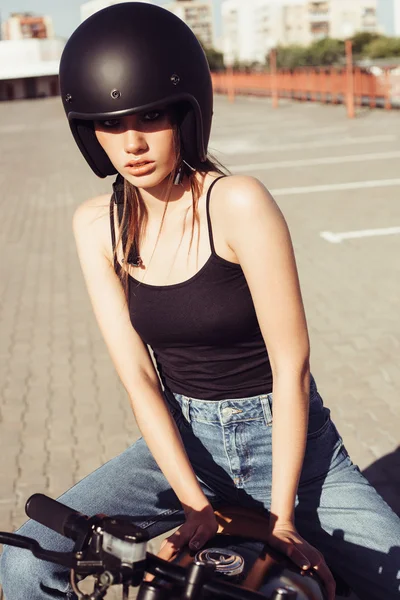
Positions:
{"x": 229, "y": 445}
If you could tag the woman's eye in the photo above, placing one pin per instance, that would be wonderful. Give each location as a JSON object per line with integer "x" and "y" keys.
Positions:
{"x": 152, "y": 116}
{"x": 109, "y": 123}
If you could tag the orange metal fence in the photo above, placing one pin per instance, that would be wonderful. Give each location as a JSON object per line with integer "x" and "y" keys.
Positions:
{"x": 352, "y": 86}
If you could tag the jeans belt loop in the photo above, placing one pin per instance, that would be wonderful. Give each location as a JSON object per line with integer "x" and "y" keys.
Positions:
{"x": 186, "y": 408}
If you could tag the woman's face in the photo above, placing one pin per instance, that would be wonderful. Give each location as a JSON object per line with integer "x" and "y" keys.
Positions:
{"x": 140, "y": 146}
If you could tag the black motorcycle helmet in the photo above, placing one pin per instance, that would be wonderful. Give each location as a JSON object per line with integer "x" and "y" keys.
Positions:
{"x": 134, "y": 57}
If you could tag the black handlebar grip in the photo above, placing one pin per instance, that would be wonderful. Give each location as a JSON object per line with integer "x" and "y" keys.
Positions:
{"x": 55, "y": 515}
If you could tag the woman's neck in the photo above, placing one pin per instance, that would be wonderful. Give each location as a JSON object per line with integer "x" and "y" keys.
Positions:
{"x": 156, "y": 198}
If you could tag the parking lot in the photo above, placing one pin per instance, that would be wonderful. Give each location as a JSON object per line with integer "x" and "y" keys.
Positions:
{"x": 63, "y": 411}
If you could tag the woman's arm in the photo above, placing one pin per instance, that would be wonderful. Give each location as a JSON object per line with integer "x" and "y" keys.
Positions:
{"x": 257, "y": 232}
{"x": 129, "y": 354}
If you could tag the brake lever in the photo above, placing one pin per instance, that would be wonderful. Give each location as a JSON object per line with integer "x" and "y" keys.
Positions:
{"x": 71, "y": 560}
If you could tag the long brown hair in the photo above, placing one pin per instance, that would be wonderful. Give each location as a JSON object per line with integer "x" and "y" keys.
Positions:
{"x": 135, "y": 215}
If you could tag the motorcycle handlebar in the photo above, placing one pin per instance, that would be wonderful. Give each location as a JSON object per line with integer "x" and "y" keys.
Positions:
{"x": 56, "y": 516}
{"x": 153, "y": 564}
{"x": 73, "y": 524}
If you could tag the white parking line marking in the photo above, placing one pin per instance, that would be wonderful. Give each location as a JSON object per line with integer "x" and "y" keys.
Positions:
{"x": 325, "y": 160}
{"x": 331, "y": 187}
{"x": 23, "y": 127}
{"x": 337, "y": 238}
{"x": 305, "y": 129}
{"x": 253, "y": 146}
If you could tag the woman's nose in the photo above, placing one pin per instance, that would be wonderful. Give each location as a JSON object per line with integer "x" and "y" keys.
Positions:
{"x": 134, "y": 142}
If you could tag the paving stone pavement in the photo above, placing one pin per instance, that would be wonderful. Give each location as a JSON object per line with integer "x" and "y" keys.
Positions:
{"x": 63, "y": 411}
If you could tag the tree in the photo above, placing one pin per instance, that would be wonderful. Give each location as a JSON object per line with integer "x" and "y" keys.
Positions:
{"x": 361, "y": 40}
{"x": 327, "y": 51}
{"x": 331, "y": 51}
{"x": 383, "y": 47}
{"x": 214, "y": 57}
{"x": 290, "y": 57}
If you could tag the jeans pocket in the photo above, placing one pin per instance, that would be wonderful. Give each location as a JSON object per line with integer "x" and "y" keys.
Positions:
{"x": 174, "y": 408}
{"x": 322, "y": 449}
{"x": 318, "y": 414}
{"x": 318, "y": 422}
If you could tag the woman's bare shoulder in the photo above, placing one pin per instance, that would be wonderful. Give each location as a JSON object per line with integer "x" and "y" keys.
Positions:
{"x": 92, "y": 209}
{"x": 91, "y": 221}
{"x": 241, "y": 187}
{"x": 239, "y": 195}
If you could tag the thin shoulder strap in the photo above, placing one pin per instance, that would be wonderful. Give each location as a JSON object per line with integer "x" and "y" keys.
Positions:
{"x": 118, "y": 187}
{"x": 208, "y": 213}
{"x": 118, "y": 200}
{"x": 112, "y": 227}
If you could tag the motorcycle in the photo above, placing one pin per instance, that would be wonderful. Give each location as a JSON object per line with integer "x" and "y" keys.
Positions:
{"x": 237, "y": 564}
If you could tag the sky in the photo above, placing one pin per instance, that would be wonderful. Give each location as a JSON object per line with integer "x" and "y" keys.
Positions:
{"x": 65, "y": 13}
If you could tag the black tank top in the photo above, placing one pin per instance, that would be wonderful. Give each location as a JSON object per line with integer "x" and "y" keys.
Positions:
{"x": 203, "y": 331}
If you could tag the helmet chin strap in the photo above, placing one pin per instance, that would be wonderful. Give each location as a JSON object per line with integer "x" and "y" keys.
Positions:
{"x": 181, "y": 172}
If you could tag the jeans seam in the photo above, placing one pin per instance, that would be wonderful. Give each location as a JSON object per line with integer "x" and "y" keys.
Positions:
{"x": 227, "y": 456}
{"x": 158, "y": 518}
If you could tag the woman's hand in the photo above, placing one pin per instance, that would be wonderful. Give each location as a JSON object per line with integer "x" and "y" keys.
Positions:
{"x": 286, "y": 539}
{"x": 199, "y": 527}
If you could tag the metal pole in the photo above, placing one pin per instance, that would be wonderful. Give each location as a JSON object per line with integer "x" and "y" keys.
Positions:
{"x": 274, "y": 78}
{"x": 388, "y": 103}
{"x": 349, "y": 80}
{"x": 231, "y": 84}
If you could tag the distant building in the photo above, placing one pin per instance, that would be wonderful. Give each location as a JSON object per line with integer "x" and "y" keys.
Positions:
{"x": 91, "y": 7}
{"x": 250, "y": 29}
{"x": 244, "y": 36}
{"x": 21, "y": 26}
{"x": 388, "y": 16}
{"x": 198, "y": 15}
{"x": 342, "y": 19}
{"x": 298, "y": 26}
{"x": 29, "y": 68}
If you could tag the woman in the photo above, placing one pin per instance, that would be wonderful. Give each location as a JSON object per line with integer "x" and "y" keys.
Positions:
{"x": 199, "y": 267}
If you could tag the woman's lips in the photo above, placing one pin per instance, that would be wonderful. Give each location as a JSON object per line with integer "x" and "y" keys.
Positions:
{"x": 141, "y": 168}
